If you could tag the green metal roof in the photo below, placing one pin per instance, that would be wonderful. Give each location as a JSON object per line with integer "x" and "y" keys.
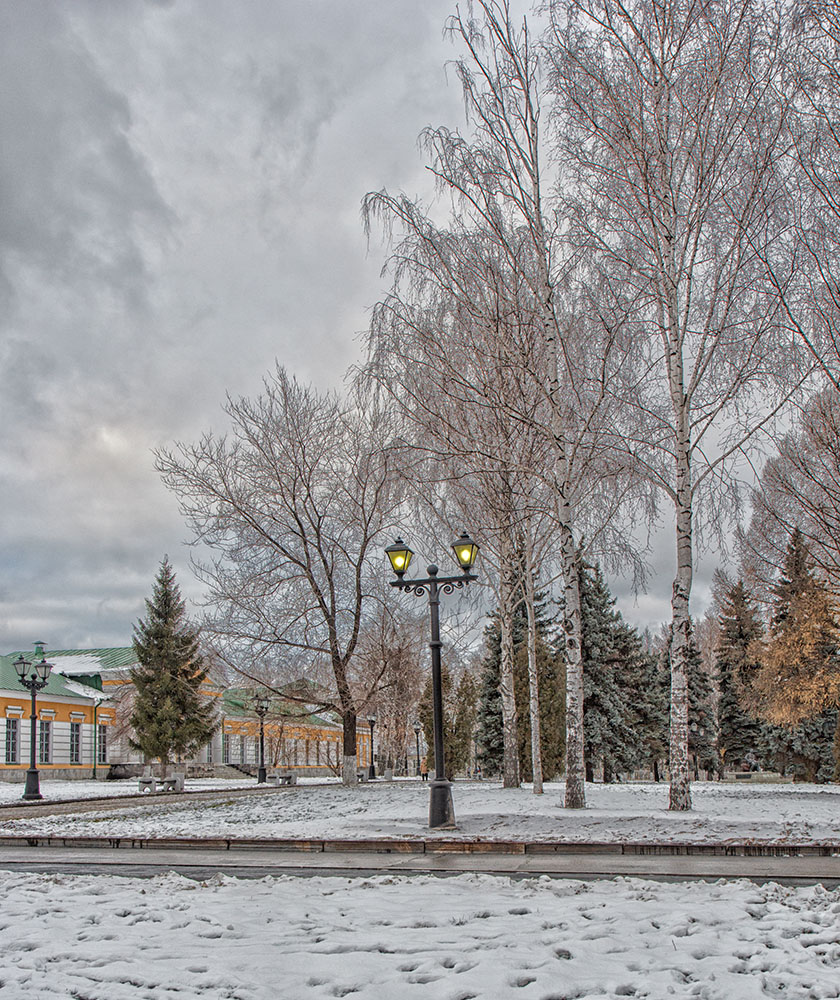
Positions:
{"x": 56, "y": 684}
{"x": 115, "y": 658}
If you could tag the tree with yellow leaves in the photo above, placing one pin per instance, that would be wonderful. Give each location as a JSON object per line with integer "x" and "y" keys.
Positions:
{"x": 798, "y": 683}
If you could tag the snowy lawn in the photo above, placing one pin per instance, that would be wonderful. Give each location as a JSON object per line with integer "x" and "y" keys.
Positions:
{"x": 389, "y": 938}
{"x": 735, "y": 813}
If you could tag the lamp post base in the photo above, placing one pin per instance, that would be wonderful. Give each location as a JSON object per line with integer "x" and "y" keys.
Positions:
{"x": 261, "y": 776}
{"x": 32, "y": 789}
{"x": 441, "y": 809}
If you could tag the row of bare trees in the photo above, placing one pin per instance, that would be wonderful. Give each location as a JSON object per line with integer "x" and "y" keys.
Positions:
{"x": 626, "y": 281}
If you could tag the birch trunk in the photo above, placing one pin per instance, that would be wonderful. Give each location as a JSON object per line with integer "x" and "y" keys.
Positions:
{"x": 575, "y": 768}
{"x": 510, "y": 775}
{"x": 533, "y": 676}
{"x": 680, "y": 793}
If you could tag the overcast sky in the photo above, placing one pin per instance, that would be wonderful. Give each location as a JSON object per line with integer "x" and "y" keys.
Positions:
{"x": 180, "y": 185}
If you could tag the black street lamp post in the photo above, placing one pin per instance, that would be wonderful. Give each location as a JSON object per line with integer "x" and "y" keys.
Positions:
{"x": 441, "y": 809}
{"x": 34, "y": 677}
{"x": 261, "y": 703}
{"x": 372, "y": 768}
{"x": 417, "y": 748}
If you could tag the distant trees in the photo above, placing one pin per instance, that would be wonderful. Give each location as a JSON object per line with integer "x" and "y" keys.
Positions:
{"x": 291, "y": 504}
{"x": 459, "y": 713}
{"x": 171, "y": 717}
{"x": 798, "y": 683}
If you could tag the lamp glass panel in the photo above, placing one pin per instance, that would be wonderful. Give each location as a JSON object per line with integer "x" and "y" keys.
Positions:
{"x": 400, "y": 556}
{"x": 465, "y": 550}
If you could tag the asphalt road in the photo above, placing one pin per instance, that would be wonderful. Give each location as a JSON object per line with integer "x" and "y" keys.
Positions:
{"x": 202, "y": 864}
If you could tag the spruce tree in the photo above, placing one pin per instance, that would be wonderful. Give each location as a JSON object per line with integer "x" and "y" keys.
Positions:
{"x": 702, "y": 749}
{"x": 489, "y": 734}
{"x": 606, "y": 644}
{"x": 552, "y": 698}
{"x": 170, "y": 718}
{"x": 740, "y": 733}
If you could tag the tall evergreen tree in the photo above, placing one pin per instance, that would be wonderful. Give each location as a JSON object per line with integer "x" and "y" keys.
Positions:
{"x": 624, "y": 708}
{"x": 489, "y": 731}
{"x": 171, "y": 718}
{"x": 740, "y": 732}
{"x": 552, "y": 698}
{"x": 702, "y": 749}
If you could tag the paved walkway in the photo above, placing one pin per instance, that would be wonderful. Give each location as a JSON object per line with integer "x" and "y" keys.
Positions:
{"x": 201, "y": 863}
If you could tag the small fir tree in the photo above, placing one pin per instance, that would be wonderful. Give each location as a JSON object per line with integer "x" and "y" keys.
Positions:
{"x": 171, "y": 718}
{"x": 551, "y": 678}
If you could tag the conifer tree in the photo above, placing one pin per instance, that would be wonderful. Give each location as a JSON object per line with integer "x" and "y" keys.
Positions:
{"x": 489, "y": 731}
{"x": 702, "y": 749}
{"x": 552, "y": 698}
{"x": 621, "y": 717}
{"x": 739, "y": 731}
{"x": 171, "y": 718}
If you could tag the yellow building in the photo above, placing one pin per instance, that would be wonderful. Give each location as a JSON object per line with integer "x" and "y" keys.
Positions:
{"x": 82, "y": 726}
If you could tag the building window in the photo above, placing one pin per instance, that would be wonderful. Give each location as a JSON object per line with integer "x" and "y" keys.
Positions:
{"x": 12, "y": 744}
{"x": 225, "y": 748}
{"x": 209, "y": 753}
{"x": 75, "y": 743}
{"x": 102, "y": 745}
{"x": 243, "y": 751}
{"x": 44, "y": 741}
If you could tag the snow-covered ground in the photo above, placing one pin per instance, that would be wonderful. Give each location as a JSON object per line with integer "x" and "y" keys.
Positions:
{"x": 469, "y": 937}
{"x": 733, "y": 813}
{"x": 11, "y": 792}
{"x": 389, "y": 938}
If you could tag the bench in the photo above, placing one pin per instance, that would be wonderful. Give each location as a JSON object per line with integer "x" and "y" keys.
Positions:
{"x": 148, "y": 783}
{"x": 282, "y": 779}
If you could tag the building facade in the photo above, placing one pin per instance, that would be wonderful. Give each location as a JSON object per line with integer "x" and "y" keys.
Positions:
{"x": 82, "y": 728}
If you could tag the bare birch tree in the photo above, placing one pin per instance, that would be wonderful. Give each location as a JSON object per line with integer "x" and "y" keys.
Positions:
{"x": 803, "y": 265}
{"x": 670, "y": 122}
{"x": 495, "y": 184}
{"x": 292, "y": 504}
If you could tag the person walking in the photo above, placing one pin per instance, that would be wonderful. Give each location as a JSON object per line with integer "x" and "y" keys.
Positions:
{"x": 424, "y": 769}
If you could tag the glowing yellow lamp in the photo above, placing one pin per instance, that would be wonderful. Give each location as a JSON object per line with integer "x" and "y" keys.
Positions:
{"x": 465, "y": 550}
{"x": 400, "y": 555}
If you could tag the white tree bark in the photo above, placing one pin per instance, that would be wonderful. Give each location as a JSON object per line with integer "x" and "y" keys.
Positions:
{"x": 533, "y": 673}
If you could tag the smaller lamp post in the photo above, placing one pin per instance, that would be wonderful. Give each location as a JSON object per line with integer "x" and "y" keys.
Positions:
{"x": 261, "y": 703}
{"x": 417, "y": 748}
{"x": 372, "y": 768}
{"x": 34, "y": 677}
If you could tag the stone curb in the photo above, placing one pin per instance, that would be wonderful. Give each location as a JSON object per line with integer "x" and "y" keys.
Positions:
{"x": 424, "y": 846}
